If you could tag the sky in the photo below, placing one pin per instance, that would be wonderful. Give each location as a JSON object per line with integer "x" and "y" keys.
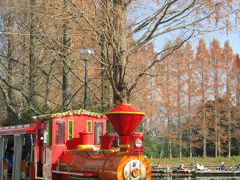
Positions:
{"x": 222, "y": 37}
{"x": 233, "y": 38}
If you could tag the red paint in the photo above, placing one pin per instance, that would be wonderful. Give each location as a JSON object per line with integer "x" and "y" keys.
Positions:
{"x": 124, "y": 143}
{"x": 124, "y": 118}
{"x": 106, "y": 166}
{"x": 106, "y": 141}
{"x": 80, "y": 134}
{"x": 73, "y": 143}
{"x": 58, "y": 149}
{"x": 86, "y": 138}
{"x": 137, "y": 136}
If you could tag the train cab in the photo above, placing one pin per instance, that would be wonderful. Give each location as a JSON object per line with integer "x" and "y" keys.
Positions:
{"x": 40, "y": 145}
{"x": 65, "y": 131}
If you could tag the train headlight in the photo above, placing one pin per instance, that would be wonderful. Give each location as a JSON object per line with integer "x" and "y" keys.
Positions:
{"x": 134, "y": 170}
{"x": 138, "y": 143}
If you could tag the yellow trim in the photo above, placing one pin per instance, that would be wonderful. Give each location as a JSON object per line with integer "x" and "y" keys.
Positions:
{"x": 84, "y": 147}
{"x": 124, "y": 145}
{"x": 91, "y": 126}
{"x": 122, "y": 112}
{"x": 72, "y": 135}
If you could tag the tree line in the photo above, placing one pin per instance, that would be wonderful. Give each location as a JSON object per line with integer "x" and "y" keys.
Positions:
{"x": 195, "y": 105}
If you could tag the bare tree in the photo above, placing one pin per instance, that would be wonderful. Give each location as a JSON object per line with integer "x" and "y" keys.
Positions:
{"x": 67, "y": 61}
{"x": 110, "y": 22}
{"x": 202, "y": 57}
{"x": 228, "y": 58}
{"x": 32, "y": 54}
{"x": 215, "y": 56}
{"x": 190, "y": 70}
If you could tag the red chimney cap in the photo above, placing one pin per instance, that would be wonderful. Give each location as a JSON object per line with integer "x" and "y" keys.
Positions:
{"x": 125, "y": 109}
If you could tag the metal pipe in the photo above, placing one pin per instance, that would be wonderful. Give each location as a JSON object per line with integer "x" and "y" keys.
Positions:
{"x": 85, "y": 83}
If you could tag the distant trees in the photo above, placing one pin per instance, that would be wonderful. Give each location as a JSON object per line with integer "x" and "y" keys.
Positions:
{"x": 198, "y": 101}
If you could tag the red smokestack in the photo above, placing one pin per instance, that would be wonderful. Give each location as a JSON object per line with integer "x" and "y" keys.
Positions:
{"x": 124, "y": 119}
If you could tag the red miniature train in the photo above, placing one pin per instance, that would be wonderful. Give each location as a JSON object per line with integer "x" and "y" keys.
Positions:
{"x": 75, "y": 145}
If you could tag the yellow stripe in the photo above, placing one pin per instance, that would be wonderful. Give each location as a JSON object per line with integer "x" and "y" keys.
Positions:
{"x": 83, "y": 147}
{"x": 124, "y": 145}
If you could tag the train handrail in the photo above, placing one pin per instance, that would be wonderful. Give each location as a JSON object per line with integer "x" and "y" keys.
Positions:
{"x": 83, "y": 174}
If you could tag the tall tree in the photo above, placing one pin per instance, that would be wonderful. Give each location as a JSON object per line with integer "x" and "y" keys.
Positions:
{"x": 228, "y": 58}
{"x": 189, "y": 61}
{"x": 8, "y": 46}
{"x": 178, "y": 58}
{"x": 215, "y": 56}
{"x": 168, "y": 94}
{"x": 202, "y": 57}
{"x": 236, "y": 70}
{"x": 32, "y": 54}
{"x": 67, "y": 60}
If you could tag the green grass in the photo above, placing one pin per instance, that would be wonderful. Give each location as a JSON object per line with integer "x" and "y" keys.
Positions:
{"x": 208, "y": 161}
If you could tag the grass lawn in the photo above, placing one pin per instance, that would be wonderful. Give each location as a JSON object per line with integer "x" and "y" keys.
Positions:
{"x": 207, "y": 162}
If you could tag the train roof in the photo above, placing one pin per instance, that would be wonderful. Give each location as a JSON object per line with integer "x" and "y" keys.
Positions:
{"x": 69, "y": 113}
{"x": 18, "y": 129}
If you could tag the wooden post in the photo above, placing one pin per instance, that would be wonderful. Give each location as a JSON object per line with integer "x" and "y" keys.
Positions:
{"x": 32, "y": 171}
{"x": 5, "y": 170}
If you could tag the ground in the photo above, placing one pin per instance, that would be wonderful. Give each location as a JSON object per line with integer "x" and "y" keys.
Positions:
{"x": 230, "y": 163}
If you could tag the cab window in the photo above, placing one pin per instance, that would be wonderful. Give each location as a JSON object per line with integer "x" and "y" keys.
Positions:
{"x": 98, "y": 129}
{"x": 60, "y": 132}
{"x": 47, "y": 132}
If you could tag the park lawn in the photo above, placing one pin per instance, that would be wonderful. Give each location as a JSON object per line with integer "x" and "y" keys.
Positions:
{"x": 210, "y": 162}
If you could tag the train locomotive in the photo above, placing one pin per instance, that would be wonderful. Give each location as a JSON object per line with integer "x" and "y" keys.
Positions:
{"x": 75, "y": 145}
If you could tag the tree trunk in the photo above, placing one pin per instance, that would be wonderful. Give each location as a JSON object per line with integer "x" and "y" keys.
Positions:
{"x": 32, "y": 55}
{"x": 105, "y": 98}
{"x": 238, "y": 91}
{"x": 203, "y": 108}
{"x": 229, "y": 131}
{"x": 204, "y": 111}
{"x": 204, "y": 129}
{"x": 169, "y": 117}
{"x": 67, "y": 63}
{"x": 229, "y": 115}
{"x": 10, "y": 45}
{"x": 190, "y": 109}
{"x": 119, "y": 48}
{"x": 216, "y": 121}
{"x": 179, "y": 108}
{"x": 204, "y": 116}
